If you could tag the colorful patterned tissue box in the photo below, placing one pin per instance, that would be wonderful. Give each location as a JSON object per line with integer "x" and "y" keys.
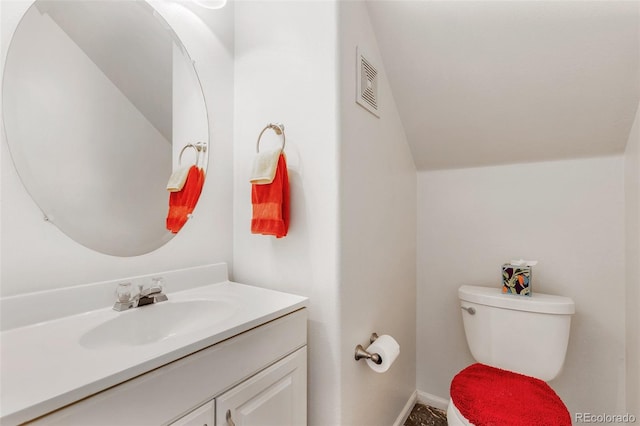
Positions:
{"x": 516, "y": 279}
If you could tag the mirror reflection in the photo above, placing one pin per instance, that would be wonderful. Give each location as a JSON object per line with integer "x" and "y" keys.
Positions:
{"x": 100, "y": 98}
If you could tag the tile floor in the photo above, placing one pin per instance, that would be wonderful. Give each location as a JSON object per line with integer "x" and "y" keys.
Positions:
{"x": 424, "y": 415}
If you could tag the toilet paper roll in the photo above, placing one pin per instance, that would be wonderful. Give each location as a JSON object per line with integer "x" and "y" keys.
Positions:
{"x": 388, "y": 349}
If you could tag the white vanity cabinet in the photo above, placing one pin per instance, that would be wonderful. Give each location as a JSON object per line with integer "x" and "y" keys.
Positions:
{"x": 259, "y": 376}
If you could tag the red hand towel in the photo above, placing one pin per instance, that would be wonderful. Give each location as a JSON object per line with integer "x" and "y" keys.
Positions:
{"x": 182, "y": 203}
{"x": 271, "y": 204}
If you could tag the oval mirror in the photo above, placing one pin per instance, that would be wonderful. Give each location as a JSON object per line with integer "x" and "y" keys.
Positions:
{"x": 100, "y": 99}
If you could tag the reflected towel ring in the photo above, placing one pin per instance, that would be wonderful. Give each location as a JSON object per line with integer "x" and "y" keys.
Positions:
{"x": 276, "y": 127}
{"x": 198, "y": 146}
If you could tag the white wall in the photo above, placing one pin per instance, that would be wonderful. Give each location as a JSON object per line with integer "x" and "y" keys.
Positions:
{"x": 377, "y": 235}
{"x": 569, "y": 215}
{"x": 285, "y": 71}
{"x": 632, "y": 206}
{"x": 37, "y": 256}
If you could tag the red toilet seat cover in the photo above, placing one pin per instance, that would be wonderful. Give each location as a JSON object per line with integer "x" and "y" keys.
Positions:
{"x": 488, "y": 396}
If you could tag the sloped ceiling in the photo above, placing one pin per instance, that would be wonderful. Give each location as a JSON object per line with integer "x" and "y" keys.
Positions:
{"x": 484, "y": 83}
{"x": 130, "y": 46}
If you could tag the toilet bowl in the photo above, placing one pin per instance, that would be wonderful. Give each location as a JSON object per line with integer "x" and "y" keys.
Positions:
{"x": 454, "y": 417}
{"x": 509, "y": 337}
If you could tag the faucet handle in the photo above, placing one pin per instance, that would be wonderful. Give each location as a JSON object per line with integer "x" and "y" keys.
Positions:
{"x": 123, "y": 292}
{"x": 155, "y": 287}
{"x": 158, "y": 282}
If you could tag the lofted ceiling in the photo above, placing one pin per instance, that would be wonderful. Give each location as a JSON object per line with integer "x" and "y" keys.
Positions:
{"x": 129, "y": 45}
{"x": 497, "y": 82}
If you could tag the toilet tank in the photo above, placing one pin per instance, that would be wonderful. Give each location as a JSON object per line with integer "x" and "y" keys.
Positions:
{"x": 528, "y": 335}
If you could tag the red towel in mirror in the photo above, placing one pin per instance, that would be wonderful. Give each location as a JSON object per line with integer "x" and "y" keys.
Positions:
{"x": 271, "y": 204}
{"x": 182, "y": 203}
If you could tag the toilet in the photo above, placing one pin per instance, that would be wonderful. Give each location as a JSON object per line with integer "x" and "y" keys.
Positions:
{"x": 519, "y": 343}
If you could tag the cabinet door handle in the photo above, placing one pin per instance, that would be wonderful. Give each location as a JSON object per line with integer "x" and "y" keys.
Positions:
{"x": 229, "y": 420}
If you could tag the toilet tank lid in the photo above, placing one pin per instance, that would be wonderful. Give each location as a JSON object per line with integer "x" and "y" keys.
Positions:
{"x": 537, "y": 302}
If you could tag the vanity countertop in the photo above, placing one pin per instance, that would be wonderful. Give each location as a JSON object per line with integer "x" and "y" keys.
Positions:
{"x": 48, "y": 365}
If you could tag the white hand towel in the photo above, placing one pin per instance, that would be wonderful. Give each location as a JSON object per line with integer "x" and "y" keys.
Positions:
{"x": 177, "y": 179}
{"x": 264, "y": 167}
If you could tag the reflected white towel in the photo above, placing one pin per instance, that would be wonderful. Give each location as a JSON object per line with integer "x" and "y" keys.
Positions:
{"x": 177, "y": 179}
{"x": 264, "y": 167}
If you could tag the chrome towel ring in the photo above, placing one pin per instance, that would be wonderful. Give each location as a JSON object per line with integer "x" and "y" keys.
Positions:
{"x": 198, "y": 146}
{"x": 276, "y": 127}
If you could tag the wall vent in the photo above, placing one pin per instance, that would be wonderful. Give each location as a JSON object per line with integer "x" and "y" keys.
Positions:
{"x": 367, "y": 83}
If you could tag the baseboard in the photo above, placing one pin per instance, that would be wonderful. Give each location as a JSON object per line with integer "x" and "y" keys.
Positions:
{"x": 406, "y": 410}
{"x": 432, "y": 400}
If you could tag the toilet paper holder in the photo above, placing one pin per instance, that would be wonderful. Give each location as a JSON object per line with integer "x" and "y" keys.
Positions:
{"x": 362, "y": 353}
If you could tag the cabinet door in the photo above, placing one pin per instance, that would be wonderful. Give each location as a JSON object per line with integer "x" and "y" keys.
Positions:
{"x": 203, "y": 416}
{"x": 277, "y": 396}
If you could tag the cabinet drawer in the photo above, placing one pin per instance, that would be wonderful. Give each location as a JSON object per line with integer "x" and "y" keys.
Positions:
{"x": 203, "y": 416}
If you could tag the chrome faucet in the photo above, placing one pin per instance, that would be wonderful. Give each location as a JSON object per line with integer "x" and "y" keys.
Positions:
{"x": 145, "y": 296}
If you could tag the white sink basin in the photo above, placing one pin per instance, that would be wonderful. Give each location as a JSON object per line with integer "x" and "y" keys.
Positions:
{"x": 153, "y": 323}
